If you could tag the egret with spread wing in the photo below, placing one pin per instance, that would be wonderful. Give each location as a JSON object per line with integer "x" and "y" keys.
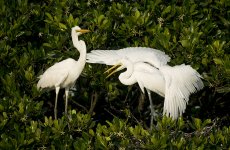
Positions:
{"x": 152, "y": 56}
{"x": 174, "y": 83}
{"x": 65, "y": 73}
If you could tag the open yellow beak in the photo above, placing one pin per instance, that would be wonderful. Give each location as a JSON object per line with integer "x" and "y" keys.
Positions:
{"x": 113, "y": 69}
{"x": 83, "y": 31}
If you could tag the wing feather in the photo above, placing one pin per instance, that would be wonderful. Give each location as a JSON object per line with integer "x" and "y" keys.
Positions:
{"x": 155, "y": 57}
{"x": 108, "y": 57}
{"x": 141, "y": 85}
{"x": 55, "y": 75}
{"x": 180, "y": 82}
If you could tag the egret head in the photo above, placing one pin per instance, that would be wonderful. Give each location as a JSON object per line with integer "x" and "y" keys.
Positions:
{"x": 78, "y": 31}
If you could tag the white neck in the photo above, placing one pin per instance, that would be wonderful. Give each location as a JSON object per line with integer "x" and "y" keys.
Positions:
{"x": 126, "y": 77}
{"x": 74, "y": 38}
{"x": 82, "y": 58}
{"x": 82, "y": 50}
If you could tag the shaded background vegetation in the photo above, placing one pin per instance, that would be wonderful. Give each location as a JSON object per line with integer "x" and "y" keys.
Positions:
{"x": 36, "y": 34}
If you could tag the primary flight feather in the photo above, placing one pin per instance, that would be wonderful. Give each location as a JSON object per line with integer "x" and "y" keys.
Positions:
{"x": 152, "y": 56}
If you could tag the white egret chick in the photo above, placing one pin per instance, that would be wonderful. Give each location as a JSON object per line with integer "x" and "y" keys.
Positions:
{"x": 65, "y": 73}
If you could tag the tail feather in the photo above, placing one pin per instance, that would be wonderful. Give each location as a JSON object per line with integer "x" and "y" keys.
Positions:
{"x": 181, "y": 82}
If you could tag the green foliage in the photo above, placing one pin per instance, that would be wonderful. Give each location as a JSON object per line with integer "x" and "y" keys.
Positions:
{"x": 36, "y": 34}
{"x": 78, "y": 131}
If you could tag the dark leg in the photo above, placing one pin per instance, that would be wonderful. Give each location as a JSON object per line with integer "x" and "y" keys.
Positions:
{"x": 151, "y": 108}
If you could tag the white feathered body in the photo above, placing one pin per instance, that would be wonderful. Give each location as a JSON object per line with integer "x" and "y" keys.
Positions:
{"x": 62, "y": 74}
{"x": 150, "y": 78}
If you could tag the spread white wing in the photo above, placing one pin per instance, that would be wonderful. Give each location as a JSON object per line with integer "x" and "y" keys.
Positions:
{"x": 180, "y": 82}
{"x": 152, "y": 56}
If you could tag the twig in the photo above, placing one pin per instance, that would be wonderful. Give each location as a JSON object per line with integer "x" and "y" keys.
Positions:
{"x": 110, "y": 112}
{"x": 94, "y": 99}
{"x": 85, "y": 109}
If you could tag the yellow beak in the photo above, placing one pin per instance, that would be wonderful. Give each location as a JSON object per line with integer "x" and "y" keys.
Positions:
{"x": 113, "y": 69}
{"x": 83, "y": 31}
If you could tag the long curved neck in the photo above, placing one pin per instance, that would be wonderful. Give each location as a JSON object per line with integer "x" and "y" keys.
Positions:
{"x": 82, "y": 58}
{"x": 74, "y": 38}
{"x": 127, "y": 77}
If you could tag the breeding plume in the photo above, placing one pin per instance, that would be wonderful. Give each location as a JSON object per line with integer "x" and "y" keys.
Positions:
{"x": 148, "y": 67}
{"x": 65, "y": 73}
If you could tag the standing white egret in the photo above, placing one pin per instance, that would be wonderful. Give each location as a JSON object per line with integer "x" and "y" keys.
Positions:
{"x": 174, "y": 83}
{"x": 65, "y": 73}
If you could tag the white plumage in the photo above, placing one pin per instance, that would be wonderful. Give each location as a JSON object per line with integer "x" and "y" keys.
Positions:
{"x": 152, "y": 56}
{"x": 174, "y": 83}
{"x": 62, "y": 74}
{"x": 180, "y": 82}
{"x": 65, "y": 73}
{"x": 148, "y": 67}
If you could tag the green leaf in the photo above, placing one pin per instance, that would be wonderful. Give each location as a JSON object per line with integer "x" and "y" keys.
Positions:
{"x": 197, "y": 123}
{"x": 212, "y": 138}
{"x": 62, "y": 26}
{"x": 205, "y": 61}
{"x": 218, "y": 61}
{"x": 185, "y": 43}
{"x": 166, "y": 10}
{"x": 223, "y": 89}
{"x": 1, "y": 108}
{"x": 99, "y": 19}
{"x": 56, "y": 124}
{"x": 47, "y": 45}
{"x": 137, "y": 14}
{"x": 224, "y": 21}
{"x": 91, "y": 132}
{"x": 181, "y": 123}
{"x": 21, "y": 107}
{"x": 49, "y": 16}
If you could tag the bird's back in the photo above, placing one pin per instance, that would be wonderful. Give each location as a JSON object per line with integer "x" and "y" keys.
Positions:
{"x": 149, "y": 77}
{"x": 57, "y": 74}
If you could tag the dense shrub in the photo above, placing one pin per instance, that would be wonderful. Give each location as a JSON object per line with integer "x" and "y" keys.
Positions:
{"x": 36, "y": 34}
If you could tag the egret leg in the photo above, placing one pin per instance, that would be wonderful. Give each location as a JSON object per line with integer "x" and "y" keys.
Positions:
{"x": 151, "y": 108}
{"x": 66, "y": 99}
{"x": 55, "y": 106}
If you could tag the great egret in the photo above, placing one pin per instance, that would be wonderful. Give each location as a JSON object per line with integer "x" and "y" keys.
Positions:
{"x": 152, "y": 56}
{"x": 154, "y": 64}
{"x": 174, "y": 83}
{"x": 64, "y": 74}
